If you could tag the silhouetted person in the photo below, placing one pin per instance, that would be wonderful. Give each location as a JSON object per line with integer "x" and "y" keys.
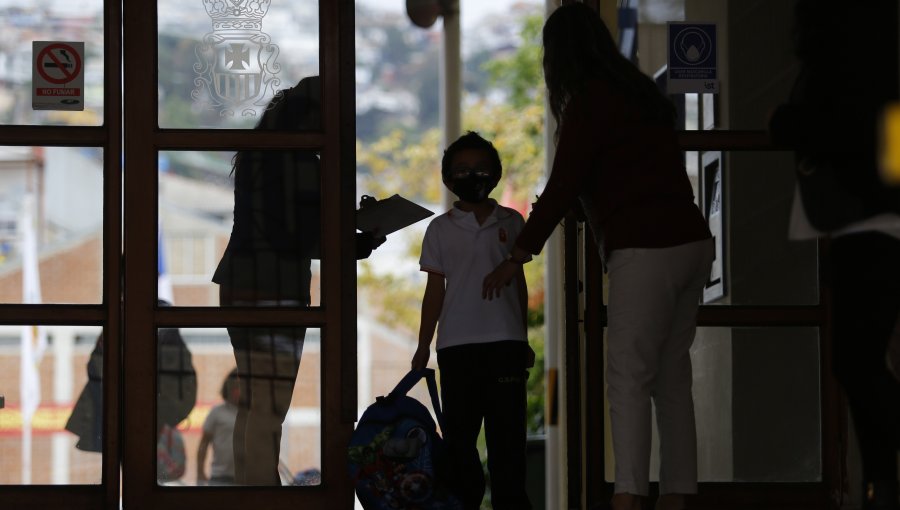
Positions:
{"x": 831, "y": 121}
{"x": 276, "y": 233}
{"x": 618, "y": 156}
{"x": 482, "y": 347}
{"x": 175, "y": 399}
{"x": 218, "y": 432}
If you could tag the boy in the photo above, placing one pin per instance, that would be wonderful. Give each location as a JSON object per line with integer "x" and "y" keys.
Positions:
{"x": 218, "y": 430}
{"x": 482, "y": 346}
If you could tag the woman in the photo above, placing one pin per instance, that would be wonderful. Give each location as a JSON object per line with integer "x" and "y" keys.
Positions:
{"x": 267, "y": 263}
{"x": 618, "y": 156}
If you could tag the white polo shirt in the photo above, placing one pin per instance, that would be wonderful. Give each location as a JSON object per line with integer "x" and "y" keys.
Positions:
{"x": 464, "y": 252}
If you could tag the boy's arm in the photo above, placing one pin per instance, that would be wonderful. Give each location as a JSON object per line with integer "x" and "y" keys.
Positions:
{"x": 201, "y": 456}
{"x": 522, "y": 288}
{"x": 432, "y": 303}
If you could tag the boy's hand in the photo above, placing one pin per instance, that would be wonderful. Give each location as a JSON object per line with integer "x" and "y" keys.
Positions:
{"x": 500, "y": 277}
{"x": 421, "y": 357}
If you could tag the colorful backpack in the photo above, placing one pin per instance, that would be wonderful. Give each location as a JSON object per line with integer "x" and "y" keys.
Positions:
{"x": 396, "y": 457}
{"x": 170, "y": 455}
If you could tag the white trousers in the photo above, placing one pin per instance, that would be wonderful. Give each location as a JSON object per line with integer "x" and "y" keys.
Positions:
{"x": 653, "y": 300}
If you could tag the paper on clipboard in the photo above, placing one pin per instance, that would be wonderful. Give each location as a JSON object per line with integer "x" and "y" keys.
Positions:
{"x": 389, "y": 215}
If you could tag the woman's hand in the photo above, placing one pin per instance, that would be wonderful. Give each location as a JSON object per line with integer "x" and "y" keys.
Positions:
{"x": 500, "y": 277}
{"x": 421, "y": 357}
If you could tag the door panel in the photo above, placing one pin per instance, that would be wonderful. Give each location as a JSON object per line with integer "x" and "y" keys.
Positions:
{"x": 58, "y": 163}
{"x": 179, "y": 175}
{"x": 761, "y": 357}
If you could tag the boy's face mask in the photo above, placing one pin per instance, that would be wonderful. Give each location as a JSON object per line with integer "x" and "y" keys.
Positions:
{"x": 472, "y": 186}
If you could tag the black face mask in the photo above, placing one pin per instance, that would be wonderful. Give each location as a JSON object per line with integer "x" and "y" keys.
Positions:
{"x": 473, "y": 188}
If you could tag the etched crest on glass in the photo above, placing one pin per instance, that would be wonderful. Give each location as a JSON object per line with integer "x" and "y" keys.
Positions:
{"x": 236, "y": 69}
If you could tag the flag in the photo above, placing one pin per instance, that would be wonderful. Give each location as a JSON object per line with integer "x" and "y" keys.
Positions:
{"x": 163, "y": 281}
{"x": 34, "y": 338}
{"x": 628, "y": 29}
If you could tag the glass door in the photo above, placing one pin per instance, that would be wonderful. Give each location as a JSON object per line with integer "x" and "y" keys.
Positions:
{"x": 769, "y": 420}
{"x": 60, "y": 224}
{"x": 238, "y": 253}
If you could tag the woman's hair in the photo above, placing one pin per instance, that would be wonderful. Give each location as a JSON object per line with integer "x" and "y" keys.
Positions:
{"x": 471, "y": 140}
{"x": 296, "y": 108}
{"x": 579, "y": 47}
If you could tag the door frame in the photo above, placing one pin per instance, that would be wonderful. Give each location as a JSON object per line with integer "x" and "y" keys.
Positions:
{"x": 337, "y": 314}
{"x": 107, "y": 313}
{"x": 586, "y": 370}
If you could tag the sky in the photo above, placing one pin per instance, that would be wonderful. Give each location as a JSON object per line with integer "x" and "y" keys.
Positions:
{"x": 471, "y": 10}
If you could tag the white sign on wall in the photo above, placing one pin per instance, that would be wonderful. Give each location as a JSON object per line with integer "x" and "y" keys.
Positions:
{"x": 57, "y": 75}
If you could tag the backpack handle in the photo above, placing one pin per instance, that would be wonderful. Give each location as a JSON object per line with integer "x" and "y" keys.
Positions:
{"x": 410, "y": 380}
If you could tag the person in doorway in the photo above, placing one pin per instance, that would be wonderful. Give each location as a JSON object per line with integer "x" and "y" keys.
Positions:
{"x": 482, "y": 348}
{"x": 831, "y": 122}
{"x": 617, "y": 157}
{"x": 176, "y": 384}
{"x": 218, "y": 431}
{"x": 276, "y": 234}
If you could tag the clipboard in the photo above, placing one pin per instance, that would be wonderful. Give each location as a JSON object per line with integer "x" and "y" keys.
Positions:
{"x": 389, "y": 215}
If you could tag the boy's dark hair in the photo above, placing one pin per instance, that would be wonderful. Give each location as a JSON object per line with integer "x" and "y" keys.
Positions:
{"x": 470, "y": 140}
{"x": 230, "y": 381}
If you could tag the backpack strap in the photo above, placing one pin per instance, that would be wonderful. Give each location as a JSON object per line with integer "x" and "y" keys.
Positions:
{"x": 410, "y": 380}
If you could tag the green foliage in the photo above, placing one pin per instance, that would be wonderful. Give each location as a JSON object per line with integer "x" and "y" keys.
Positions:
{"x": 518, "y": 135}
{"x": 398, "y": 162}
{"x": 535, "y": 392}
{"x": 521, "y": 74}
{"x": 396, "y": 300}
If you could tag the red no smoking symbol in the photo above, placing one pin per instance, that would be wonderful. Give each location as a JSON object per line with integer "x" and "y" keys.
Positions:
{"x": 58, "y": 63}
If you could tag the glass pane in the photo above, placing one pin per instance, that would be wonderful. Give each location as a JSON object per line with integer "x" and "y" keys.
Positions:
{"x": 220, "y": 63}
{"x": 756, "y": 64}
{"x": 757, "y": 406}
{"x": 239, "y": 231}
{"x": 51, "y": 224}
{"x": 763, "y": 255}
{"x": 50, "y": 427}
{"x": 24, "y": 22}
{"x": 208, "y": 391}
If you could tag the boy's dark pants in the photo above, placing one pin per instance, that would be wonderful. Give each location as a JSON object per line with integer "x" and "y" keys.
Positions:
{"x": 486, "y": 381}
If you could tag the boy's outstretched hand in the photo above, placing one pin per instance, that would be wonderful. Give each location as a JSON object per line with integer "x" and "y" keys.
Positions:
{"x": 421, "y": 357}
{"x": 500, "y": 277}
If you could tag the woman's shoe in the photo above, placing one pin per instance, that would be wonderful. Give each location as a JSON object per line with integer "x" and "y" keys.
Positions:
{"x": 880, "y": 495}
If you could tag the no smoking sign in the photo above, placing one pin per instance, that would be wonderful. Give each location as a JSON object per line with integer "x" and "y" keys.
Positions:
{"x": 57, "y": 75}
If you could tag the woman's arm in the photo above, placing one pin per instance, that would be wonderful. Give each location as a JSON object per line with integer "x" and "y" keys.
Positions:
{"x": 582, "y": 135}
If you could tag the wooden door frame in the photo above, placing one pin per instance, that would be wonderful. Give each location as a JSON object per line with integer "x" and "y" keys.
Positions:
{"x": 336, "y": 316}
{"x": 107, "y": 313}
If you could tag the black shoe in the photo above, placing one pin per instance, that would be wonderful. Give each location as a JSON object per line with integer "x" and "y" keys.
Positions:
{"x": 880, "y": 495}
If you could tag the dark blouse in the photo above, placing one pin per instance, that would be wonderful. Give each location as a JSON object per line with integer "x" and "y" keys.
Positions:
{"x": 627, "y": 172}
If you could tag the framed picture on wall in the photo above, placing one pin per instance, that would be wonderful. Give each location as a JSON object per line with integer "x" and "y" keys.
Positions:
{"x": 713, "y": 207}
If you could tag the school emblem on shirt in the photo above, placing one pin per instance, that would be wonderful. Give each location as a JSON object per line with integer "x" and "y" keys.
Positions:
{"x": 502, "y": 234}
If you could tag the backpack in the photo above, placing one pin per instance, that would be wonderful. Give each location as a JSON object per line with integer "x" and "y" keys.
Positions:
{"x": 396, "y": 457}
{"x": 170, "y": 455}
{"x": 176, "y": 390}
